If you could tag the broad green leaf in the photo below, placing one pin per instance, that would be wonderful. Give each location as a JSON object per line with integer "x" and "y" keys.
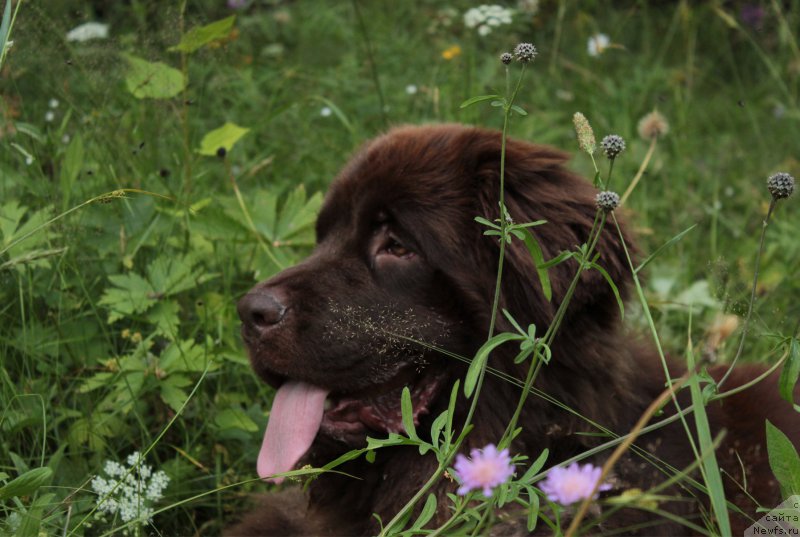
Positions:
{"x": 154, "y": 80}
{"x": 130, "y": 294}
{"x": 98, "y": 380}
{"x": 538, "y": 260}
{"x": 479, "y": 362}
{"x": 783, "y": 460}
{"x": 165, "y": 315}
{"x": 790, "y": 373}
{"x": 173, "y": 396}
{"x": 224, "y": 137}
{"x": 170, "y": 275}
{"x": 27, "y": 483}
{"x": 478, "y": 99}
{"x": 203, "y": 35}
{"x": 426, "y": 515}
{"x": 184, "y": 356}
{"x": 235, "y": 418}
{"x": 407, "y": 412}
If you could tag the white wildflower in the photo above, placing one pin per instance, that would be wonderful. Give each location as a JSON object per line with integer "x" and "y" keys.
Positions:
{"x": 597, "y": 44}
{"x": 65, "y": 139}
{"x": 411, "y": 89}
{"x": 486, "y": 17}
{"x": 325, "y": 111}
{"x": 131, "y": 491}
{"x": 28, "y": 160}
{"x": 49, "y": 116}
{"x": 53, "y": 103}
{"x": 88, "y": 31}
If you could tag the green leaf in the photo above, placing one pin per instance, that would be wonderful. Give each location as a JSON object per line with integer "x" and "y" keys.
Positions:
{"x": 664, "y": 246}
{"x": 130, "y": 294}
{"x": 5, "y": 27}
{"x": 436, "y": 427}
{"x": 535, "y": 466}
{"x": 790, "y": 373}
{"x": 407, "y": 412}
{"x": 27, "y": 483}
{"x": 184, "y": 356}
{"x": 235, "y": 418}
{"x": 605, "y": 274}
{"x": 783, "y": 460}
{"x": 426, "y": 515}
{"x": 203, "y": 35}
{"x": 557, "y": 260}
{"x": 479, "y": 99}
{"x": 538, "y": 260}
{"x": 533, "y": 512}
{"x": 71, "y": 167}
{"x": 173, "y": 396}
{"x": 479, "y": 362}
{"x": 224, "y": 137}
{"x": 519, "y": 110}
{"x": 154, "y": 80}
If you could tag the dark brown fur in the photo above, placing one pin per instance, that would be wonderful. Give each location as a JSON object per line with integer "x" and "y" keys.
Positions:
{"x": 424, "y": 186}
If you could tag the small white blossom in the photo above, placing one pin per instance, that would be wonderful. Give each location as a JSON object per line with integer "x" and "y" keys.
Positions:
{"x": 65, "y": 139}
{"x": 597, "y": 44}
{"x": 28, "y": 160}
{"x": 411, "y": 89}
{"x": 486, "y": 17}
{"x": 88, "y": 31}
{"x": 49, "y": 116}
{"x": 325, "y": 111}
{"x": 131, "y": 491}
{"x": 53, "y": 103}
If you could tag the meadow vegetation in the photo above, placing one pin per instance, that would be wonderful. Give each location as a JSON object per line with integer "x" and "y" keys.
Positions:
{"x": 150, "y": 177}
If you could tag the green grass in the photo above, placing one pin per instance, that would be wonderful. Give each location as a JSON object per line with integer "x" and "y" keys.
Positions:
{"x": 113, "y": 314}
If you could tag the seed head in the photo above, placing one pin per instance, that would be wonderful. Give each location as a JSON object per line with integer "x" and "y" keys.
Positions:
{"x": 506, "y": 58}
{"x": 607, "y": 201}
{"x": 653, "y": 125}
{"x": 612, "y": 145}
{"x": 586, "y": 140}
{"x": 525, "y": 52}
{"x": 780, "y": 185}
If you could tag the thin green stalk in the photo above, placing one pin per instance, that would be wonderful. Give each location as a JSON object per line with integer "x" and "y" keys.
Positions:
{"x": 373, "y": 66}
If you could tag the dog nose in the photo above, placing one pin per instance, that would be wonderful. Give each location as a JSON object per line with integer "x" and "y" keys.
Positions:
{"x": 260, "y": 309}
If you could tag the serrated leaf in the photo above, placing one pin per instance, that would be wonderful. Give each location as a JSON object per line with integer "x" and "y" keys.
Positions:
{"x": 173, "y": 396}
{"x": 235, "y": 418}
{"x": 479, "y": 362}
{"x": 184, "y": 356}
{"x": 130, "y": 294}
{"x": 478, "y": 99}
{"x": 27, "y": 483}
{"x": 153, "y": 80}
{"x": 538, "y": 260}
{"x": 783, "y": 460}
{"x": 203, "y": 35}
{"x": 790, "y": 373}
{"x": 224, "y": 137}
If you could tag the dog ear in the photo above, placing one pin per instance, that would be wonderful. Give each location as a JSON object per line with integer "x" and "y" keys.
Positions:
{"x": 539, "y": 187}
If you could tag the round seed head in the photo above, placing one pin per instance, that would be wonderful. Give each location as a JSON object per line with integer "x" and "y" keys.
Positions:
{"x": 506, "y": 58}
{"x": 653, "y": 125}
{"x": 780, "y": 185}
{"x": 613, "y": 145}
{"x": 525, "y": 52}
{"x": 607, "y": 201}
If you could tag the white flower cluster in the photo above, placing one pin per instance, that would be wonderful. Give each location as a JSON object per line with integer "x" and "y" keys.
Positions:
{"x": 486, "y": 17}
{"x": 129, "y": 491}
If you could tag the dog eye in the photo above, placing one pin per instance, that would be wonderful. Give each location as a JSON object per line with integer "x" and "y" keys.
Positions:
{"x": 398, "y": 250}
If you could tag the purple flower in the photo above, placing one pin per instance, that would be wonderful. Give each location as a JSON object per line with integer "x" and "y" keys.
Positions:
{"x": 485, "y": 469}
{"x": 752, "y": 15}
{"x": 571, "y": 484}
{"x": 238, "y": 4}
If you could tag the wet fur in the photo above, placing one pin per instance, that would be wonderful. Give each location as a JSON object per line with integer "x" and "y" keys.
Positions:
{"x": 433, "y": 181}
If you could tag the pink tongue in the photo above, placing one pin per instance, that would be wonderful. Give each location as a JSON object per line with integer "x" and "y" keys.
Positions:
{"x": 293, "y": 423}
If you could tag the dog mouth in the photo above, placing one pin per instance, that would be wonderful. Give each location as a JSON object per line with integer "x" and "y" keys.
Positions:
{"x": 301, "y": 411}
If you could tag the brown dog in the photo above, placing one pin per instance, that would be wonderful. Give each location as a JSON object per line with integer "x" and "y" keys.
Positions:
{"x": 400, "y": 260}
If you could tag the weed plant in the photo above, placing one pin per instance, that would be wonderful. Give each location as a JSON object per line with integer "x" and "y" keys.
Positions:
{"x": 149, "y": 178}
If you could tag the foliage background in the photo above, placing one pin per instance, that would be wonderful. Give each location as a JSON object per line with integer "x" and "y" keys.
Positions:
{"x": 113, "y": 314}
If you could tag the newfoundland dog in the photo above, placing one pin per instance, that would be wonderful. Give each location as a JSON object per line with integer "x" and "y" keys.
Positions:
{"x": 401, "y": 270}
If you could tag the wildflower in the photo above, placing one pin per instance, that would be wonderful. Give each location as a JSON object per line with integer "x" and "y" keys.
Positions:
{"x": 28, "y": 160}
{"x": 325, "y": 111}
{"x": 653, "y": 125}
{"x": 131, "y": 491}
{"x": 607, "y": 201}
{"x": 780, "y": 185}
{"x": 486, "y": 17}
{"x": 597, "y": 44}
{"x": 525, "y": 52}
{"x": 612, "y": 145}
{"x": 411, "y": 89}
{"x": 752, "y": 15}
{"x": 49, "y": 116}
{"x": 572, "y": 484}
{"x": 506, "y": 58}
{"x": 586, "y": 140}
{"x": 65, "y": 138}
{"x": 88, "y": 31}
{"x": 53, "y": 103}
{"x": 485, "y": 469}
{"x": 238, "y": 4}
{"x": 451, "y": 52}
